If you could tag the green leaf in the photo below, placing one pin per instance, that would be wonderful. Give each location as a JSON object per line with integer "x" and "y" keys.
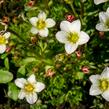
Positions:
{"x": 5, "y": 76}
{"x": 6, "y": 63}
{"x": 13, "y": 91}
{"x": 22, "y": 70}
{"x": 27, "y": 60}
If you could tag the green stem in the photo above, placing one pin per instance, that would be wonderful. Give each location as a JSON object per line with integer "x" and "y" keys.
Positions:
{"x": 46, "y": 4}
{"x": 73, "y": 9}
{"x": 82, "y": 8}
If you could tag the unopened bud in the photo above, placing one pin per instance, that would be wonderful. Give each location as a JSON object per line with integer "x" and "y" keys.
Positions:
{"x": 49, "y": 73}
{"x": 78, "y": 54}
{"x": 70, "y": 18}
{"x": 85, "y": 69}
{"x": 101, "y": 34}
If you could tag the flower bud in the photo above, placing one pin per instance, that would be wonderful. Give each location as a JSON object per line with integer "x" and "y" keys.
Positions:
{"x": 49, "y": 73}
{"x": 101, "y": 34}
{"x": 70, "y": 18}
{"x": 78, "y": 54}
{"x": 34, "y": 40}
{"x": 8, "y": 49}
{"x": 85, "y": 69}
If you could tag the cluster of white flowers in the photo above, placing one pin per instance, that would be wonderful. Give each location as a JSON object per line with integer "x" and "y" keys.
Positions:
{"x": 72, "y": 36}
{"x": 70, "y": 33}
{"x": 100, "y": 83}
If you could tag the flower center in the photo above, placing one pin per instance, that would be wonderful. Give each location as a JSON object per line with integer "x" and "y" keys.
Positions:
{"x": 73, "y": 37}
{"x": 2, "y": 40}
{"x": 104, "y": 84}
{"x": 107, "y": 23}
{"x": 29, "y": 87}
{"x": 41, "y": 24}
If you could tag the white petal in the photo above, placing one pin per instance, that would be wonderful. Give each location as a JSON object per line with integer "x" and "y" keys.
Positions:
{"x": 44, "y": 32}
{"x": 7, "y": 35}
{"x": 39, "y": 86}
{"x": 65, "y": 26}
{"x": 101, "y": 27}
{"x": 42, "y": 15}
{"x": 105, "y": 73}
{"x": 94, "y": 90}
{"x": 61, "y": 36}
{"x": 20, "y": 82}
{"x": 34, "y": 30}
{"x": 103, "y": 16}
{"x": 70, "y": 48}
{"x": 94, "y": 79}
{"x": 31, "y": 98}
{"x": 76, "y": 26}
{"x": 33, "y": 21}
{"x": 107, "y": 11}
{"x": 105, "y": 95}
{"x": 32, "y": 79}
{"x": 99, "y": 1}
{"x": 2, "y": 48}
{"x": 50, "y": 22}
{"x": 84, "y": 38}
{"x": 21, "y": 94}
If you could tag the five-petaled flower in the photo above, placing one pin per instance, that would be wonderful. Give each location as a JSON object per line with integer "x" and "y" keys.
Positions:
{"x": 41, "y": 24}
{"x": 3, "y": 41}
{"x": 99, "y": 1}
{"x": 29, "y": 88}
{"x": 100, "y": 84}
{"x": 71, "y": 35}
{"x": 104, "y": 21}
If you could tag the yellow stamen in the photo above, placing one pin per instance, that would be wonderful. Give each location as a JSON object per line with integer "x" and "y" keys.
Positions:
{"x": 29, "y": 87}
{"x": 107, "y": 23}
{"x": 104, "y": 84}
{"x": 2, "y": 40}
{"x": 41, "y": 24}
{"x": 73, "y": 37}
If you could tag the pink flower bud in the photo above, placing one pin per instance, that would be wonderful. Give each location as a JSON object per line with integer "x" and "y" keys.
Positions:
{"x": 78, "y": 54}
{"x": 70, "y": 18}
{"x": 49, "y": 73}
{"x": 8, "y": 49}
{"x": 85, "y": 69}
{"x": 31, "y": 3}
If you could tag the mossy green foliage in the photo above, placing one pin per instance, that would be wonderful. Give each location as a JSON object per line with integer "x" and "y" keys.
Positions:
{"x": 69, "y": 86}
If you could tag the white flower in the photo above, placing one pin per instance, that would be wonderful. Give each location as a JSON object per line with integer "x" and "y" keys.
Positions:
{"x": 104, "y": 21}
{"x": 3, "y": 41}
{"x": 99, "y": 1}
{"x": 41, "y": 24}
{"x": 29, "y": 88}
{"x": 71, "y": 35}
{"x": 100, "y": 84}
